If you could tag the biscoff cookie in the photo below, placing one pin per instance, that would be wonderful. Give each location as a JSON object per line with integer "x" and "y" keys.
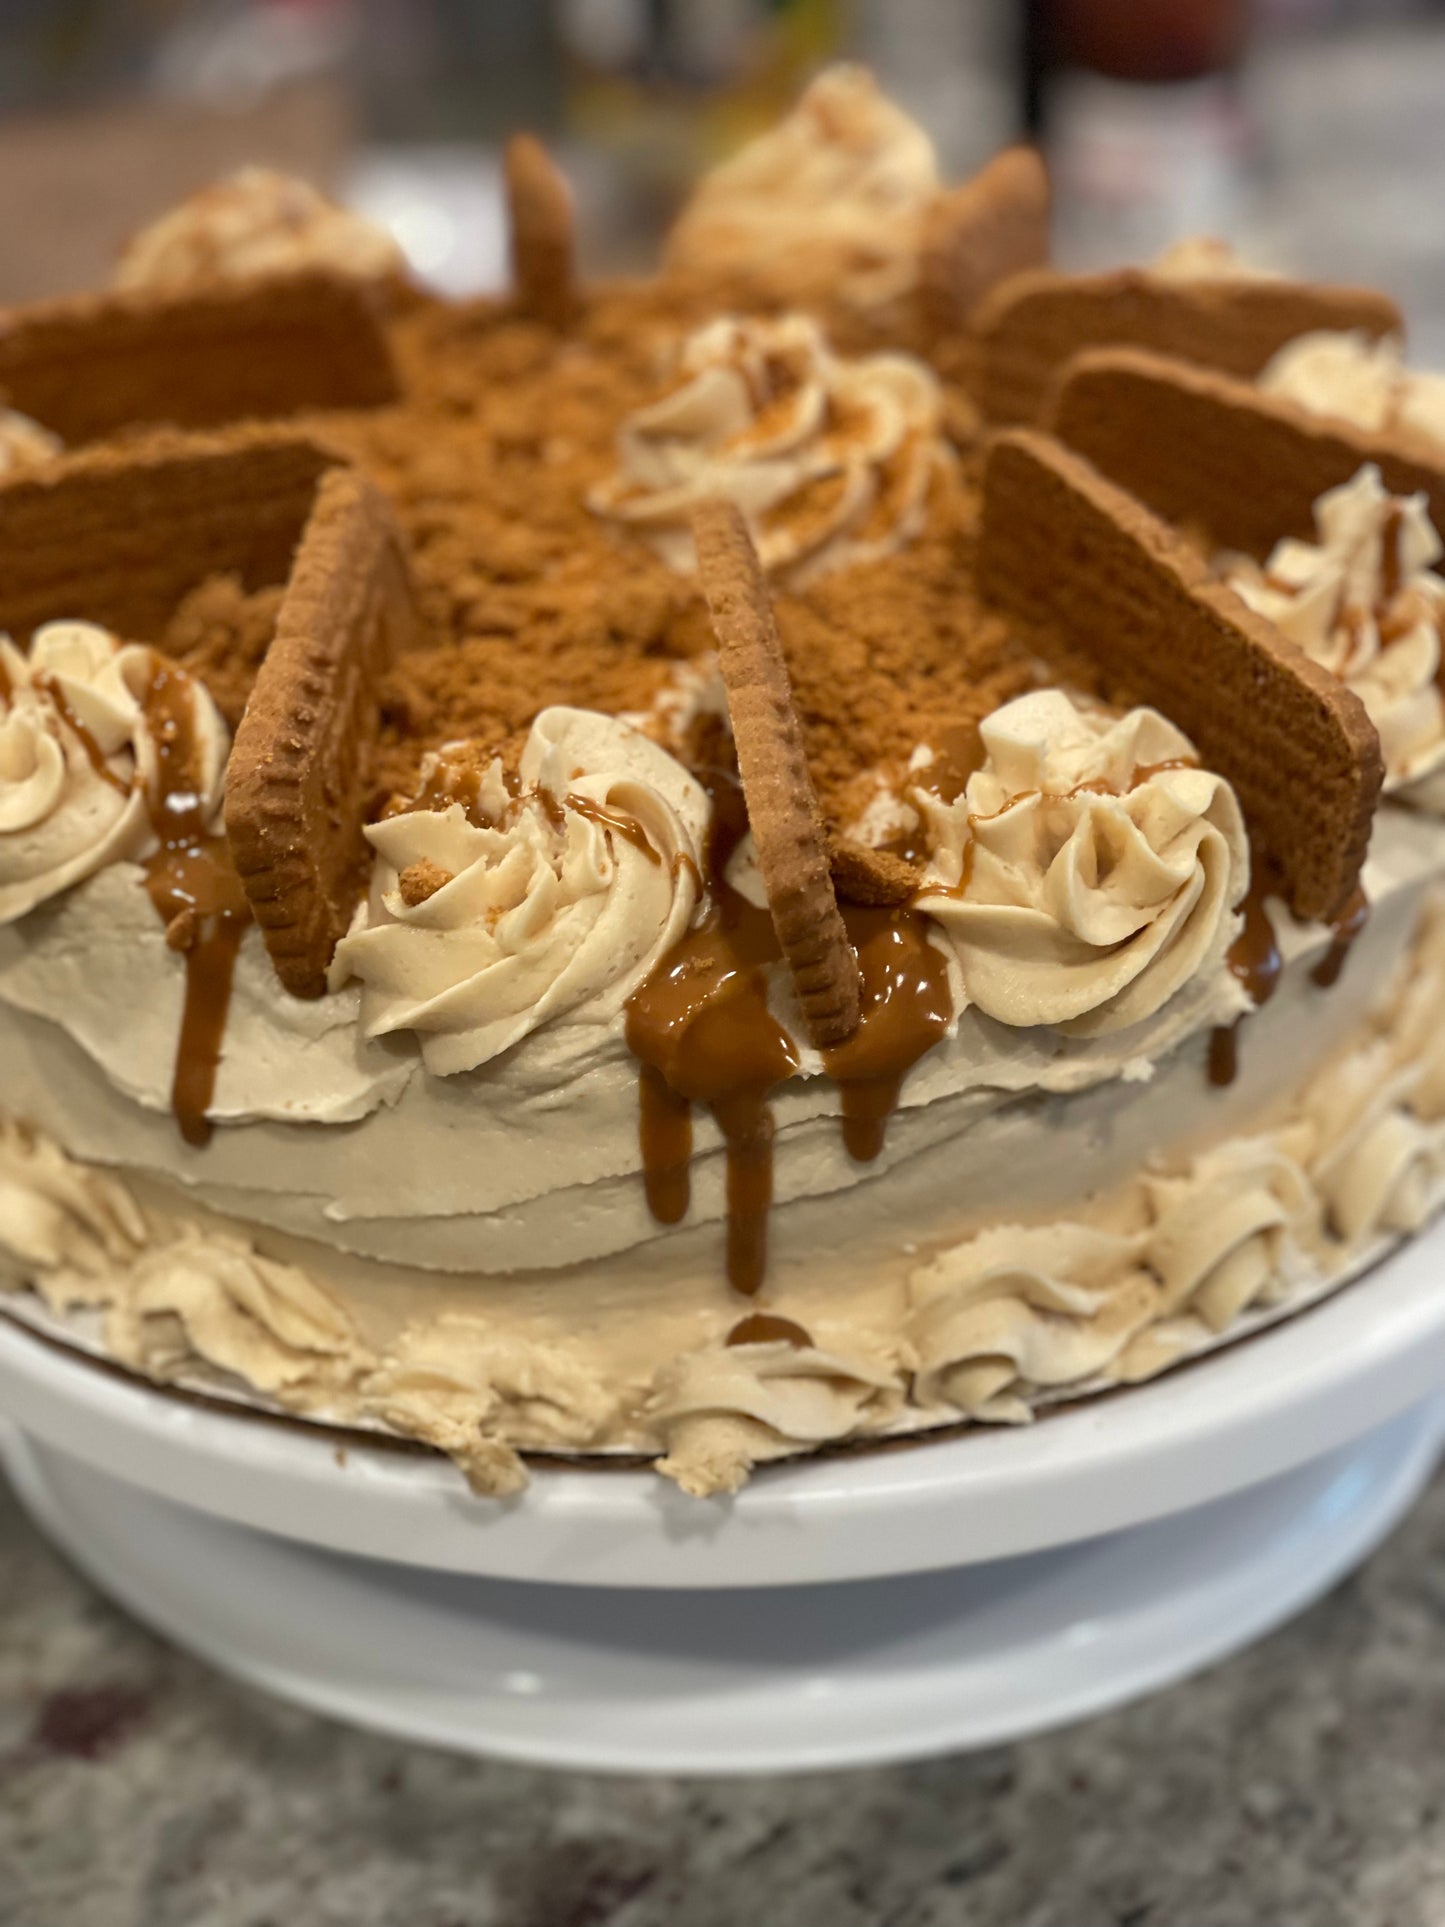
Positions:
{"x": 539, "y": 212}
{"x": 991, "y": 227}
{"x": 879, "y": 879}
{"x": 300, "y": 766}
{"x": 782, "y": 808}
{"x": 1028, "y": 326}
{"x": 121, "y": 534}
{"x": 1138, "y": 600}
{"x": 1208, "y": 450}
{"x": 196, "y": 358}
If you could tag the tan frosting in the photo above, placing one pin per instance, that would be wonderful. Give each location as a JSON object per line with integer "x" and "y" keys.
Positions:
{"x": 68, "y": 806}
{"x": 831, "y": 201}
{"x": 1365, "y": 601}
{"x": 1169, "y": 1261}
{"x": 545, "y": 911}
{"x": 254, "y": 222}
{"x": 1174, "y": 1259}
{"x": 829, "y": 459}
{"x": 1347, "y": 374}
{"x": 1088, "y": 871}
{"x": 24, "y": 443}
{"x": 1204, "y": 257}
{"x": 724, "y": 1408}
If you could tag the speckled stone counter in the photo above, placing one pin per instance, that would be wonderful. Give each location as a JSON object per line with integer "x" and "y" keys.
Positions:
{"x": 1300, "y": 1785}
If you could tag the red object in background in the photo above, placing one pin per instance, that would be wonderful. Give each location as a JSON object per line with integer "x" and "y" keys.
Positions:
{"x": 1150, "y": 40}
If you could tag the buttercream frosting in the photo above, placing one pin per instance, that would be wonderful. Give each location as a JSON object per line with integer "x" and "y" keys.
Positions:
{"x": 551, "y": 902}
{"x": 829, "y": 459}
{"x": 24, "y": 443}
{"x": 71, "y": 792}
{"x": 1347, "y": 374}
{"x": 1089, "y": 870}
{"x": 1364, "y": 601}
{"x": 255, "y": 222}
{"x": 831, "y": 201}
{"x": 1180, "y": 1255}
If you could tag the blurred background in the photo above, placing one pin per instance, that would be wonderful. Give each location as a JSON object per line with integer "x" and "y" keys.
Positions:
{"x": 1309, "y": 132}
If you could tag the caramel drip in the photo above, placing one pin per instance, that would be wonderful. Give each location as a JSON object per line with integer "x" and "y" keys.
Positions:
{"x": 193, "y": 886}
{"x": 1224, "y": 1053}
{"x": 94, "y": 754}
{"x": 702, "y": 1025}
{"x": 905, "y": 1010}
{"x": 1254, "y": 959}
{"x": 1390, "y": 562}
{"x": 665, "y": 1129}
{"x": 7, "y": 688}
{"x": 1347, "y": 926}
{"x": 704, "y": 1034}
{"x": 616, "y": 821}
{"x": 767, "y": 1328}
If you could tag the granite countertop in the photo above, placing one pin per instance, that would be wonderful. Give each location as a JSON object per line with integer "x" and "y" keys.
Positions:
{"x": 1301, "y": 1784}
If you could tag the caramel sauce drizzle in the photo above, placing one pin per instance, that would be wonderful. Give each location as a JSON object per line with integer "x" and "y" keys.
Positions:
{"x": 1254, "y": 959}
{"x": 703, "y": 1032}
{"x": 94, "y": 754}
{"x": 767, "y": 1328}
{"x": 192, "y": 883}
{"x": 1346, "y": 927}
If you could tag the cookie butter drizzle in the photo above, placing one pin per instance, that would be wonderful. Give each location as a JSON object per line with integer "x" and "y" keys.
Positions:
{"x": 193, "y": 885}
{"x": 704, "y": 1033}
{"x": 1254, "y": 959}
{"x": 94, "y": 754}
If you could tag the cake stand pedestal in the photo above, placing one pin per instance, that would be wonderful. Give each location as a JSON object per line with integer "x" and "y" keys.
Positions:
{"x": 851, "y": 1609}
{"x": 733, "y": 1681}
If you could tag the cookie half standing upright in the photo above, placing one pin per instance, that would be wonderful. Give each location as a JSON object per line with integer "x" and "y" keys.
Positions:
{"x": 1208, "y": 449}
{"x": 1137, "y": 599}
{"x": 1023, "y": 332}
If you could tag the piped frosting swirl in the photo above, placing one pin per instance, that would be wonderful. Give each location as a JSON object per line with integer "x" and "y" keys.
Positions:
{"x": 255, "y": 222}
{"x": 829, "y": 460}
{"x": 498, "y": 907}
{"x": 1089, "y": 869}
{"x": 1364, "y": 601}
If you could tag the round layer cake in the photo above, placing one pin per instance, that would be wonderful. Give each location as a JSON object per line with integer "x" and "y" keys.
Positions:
{"x": 839, "y": 842}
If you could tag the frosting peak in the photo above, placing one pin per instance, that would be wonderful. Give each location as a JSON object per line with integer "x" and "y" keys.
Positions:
{"x": 829, "y": 459}
{"x": 69, "y": 802}
{"x": 834, "y": 198}
{"x": 1089, "y": 869}
{"x": 24, "y": 443}
{"x": 498, "y": 907}
{"x": 1364, "y": 601}
{"x": 1346, "y": 374}
{"x": 254, "y": 222}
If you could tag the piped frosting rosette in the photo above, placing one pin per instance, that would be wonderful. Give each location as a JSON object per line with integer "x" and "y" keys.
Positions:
{"x": 830, "y": 205}
{"x": 1346, "y": 374}
{"x": 1088, "y": 871}
{"x": 527, "y": 903}
{"x": 255, "y": 222}
{"x": 829, "y": 459}
{"x": 69, "y": 799}
{"x": 724, "y": 1408}
{"x": 79, "y": 760}
{"x": 1365, "y": 602}
{"x": 1019, "y": 1312}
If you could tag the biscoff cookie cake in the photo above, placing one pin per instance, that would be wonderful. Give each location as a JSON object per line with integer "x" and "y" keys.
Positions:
{"x": 713, "y": 868}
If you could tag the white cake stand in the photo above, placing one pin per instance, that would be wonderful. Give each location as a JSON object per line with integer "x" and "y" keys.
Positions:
{"x": 860, "y": 1608}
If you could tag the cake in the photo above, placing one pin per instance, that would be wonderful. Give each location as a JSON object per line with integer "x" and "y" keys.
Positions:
{"x": 838, "y": 845}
